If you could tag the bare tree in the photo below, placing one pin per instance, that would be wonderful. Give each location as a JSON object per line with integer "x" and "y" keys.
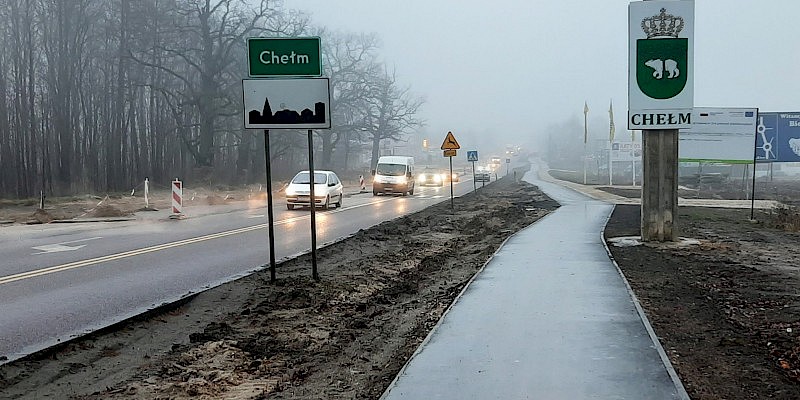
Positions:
{"x": 98, "y": 94}
{"x": 350, "y": 63}
{"x": 391, "y": 111}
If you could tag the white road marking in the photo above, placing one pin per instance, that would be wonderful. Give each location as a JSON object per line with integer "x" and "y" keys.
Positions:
{"x": 62, "y": 247}
{"x": 55, "y": 248}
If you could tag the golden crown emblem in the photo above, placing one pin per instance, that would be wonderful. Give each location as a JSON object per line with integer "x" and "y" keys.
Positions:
{"x": 662, "y": 25}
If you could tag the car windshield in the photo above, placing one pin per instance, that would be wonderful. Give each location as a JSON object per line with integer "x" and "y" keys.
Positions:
{"x": 304, "y": 178}
{"x": 391, "y": 169}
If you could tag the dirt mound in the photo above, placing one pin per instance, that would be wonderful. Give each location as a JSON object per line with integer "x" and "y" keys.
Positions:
{"x": 41, "y": 217}
{"x": 216, "y": 200}
{"x": 107, "y": 211}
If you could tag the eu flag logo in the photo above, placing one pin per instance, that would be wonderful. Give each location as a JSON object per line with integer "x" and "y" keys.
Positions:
{"x": 748, "y": 113}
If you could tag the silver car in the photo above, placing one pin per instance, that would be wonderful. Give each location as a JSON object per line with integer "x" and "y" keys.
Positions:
{"x": 328, "y": 190}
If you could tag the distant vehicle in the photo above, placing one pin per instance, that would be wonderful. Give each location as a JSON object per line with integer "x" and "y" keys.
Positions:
{"x": 328, "y": 190}
{"x": 454, "y": 177}
{"x": 430, "y": 177}
{"x": 494, "y": 164}
{"x": 394, "y": 174}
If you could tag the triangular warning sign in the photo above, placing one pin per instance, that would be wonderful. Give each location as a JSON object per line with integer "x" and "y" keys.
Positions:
{"x": 450, "y": 142}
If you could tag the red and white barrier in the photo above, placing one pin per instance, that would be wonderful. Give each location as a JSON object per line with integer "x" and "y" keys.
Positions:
{"x": 177, "y": 199}
{"x": 361, "y": 183}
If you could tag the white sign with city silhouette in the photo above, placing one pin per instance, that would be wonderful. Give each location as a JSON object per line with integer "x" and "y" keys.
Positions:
{"x": 289, "y": 103}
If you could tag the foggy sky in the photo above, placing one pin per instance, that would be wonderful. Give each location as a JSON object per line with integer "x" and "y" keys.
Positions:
{"x": 505, "y": 70}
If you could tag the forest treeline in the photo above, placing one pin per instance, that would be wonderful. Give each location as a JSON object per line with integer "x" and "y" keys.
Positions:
{"x": 95, "y": 95}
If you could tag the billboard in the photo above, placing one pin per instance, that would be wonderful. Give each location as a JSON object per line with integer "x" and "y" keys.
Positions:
{"x": 725, "y": 135}
{"x": 626, "y": 151}
{"x": 778, "y": 137}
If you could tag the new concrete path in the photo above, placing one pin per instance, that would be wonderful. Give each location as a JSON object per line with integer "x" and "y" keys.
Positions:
{"x": 549, "y": 317}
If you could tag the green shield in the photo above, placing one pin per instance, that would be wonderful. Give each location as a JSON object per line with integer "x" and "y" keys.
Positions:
{"x": 661, "y": 66}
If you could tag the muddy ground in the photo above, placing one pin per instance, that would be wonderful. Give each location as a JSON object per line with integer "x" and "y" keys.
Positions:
{"x": 345, "y": 337}
{"x": 727, "y": 310}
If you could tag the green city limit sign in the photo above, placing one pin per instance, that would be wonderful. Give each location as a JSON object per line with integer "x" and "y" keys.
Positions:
{"x": 284, "y": 56}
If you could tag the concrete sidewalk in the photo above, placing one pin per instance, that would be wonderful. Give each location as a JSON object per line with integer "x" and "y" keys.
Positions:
{"x": 549, "y": 317}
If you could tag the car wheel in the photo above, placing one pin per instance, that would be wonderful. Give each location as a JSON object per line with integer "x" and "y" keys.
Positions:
{"x": 339, "y": 204}
{"x": 289, "y": 207}
{"x": 327, "y": 205}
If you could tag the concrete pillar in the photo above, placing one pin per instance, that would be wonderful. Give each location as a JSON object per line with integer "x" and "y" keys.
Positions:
{"x": 660, "y": 185}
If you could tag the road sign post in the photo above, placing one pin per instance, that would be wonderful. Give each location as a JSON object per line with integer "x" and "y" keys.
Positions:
{"x": 472, "y": 156}
{"x": 449, "y": 146}
{"x": 298, "y": 103}
{"x": 270, "y": 216}
{"x": 660, "y": 101}
{"x": 313, "y": 203}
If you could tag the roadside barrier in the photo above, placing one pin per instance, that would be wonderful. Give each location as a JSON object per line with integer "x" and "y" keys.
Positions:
{"x": 177, "y": 199}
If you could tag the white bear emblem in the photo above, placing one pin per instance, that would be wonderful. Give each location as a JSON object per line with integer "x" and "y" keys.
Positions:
{"x": 658, "y": 66}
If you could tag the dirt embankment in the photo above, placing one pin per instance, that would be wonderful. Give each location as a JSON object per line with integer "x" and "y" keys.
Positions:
{"x": 344, "y": 337}
{"x": 727, "y": 310}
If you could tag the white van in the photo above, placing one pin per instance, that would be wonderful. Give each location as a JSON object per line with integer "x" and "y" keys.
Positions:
{"x": 394, "y": 174}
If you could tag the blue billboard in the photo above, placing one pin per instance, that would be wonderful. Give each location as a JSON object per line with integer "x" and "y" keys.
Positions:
{"x": 778, "y": 137}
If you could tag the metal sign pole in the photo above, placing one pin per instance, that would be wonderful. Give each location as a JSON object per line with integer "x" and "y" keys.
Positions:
{"x": 474, "y": 184}
{"x": 753, "y": 194}
{"x": 452, "y": 206}
{"x": 270, "y": 216}
{"x": 312, "y": 202}
{"x": 610, "y": 169}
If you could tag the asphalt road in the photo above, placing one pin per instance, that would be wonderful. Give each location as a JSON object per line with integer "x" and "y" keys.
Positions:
{"x": 61, "y": 281}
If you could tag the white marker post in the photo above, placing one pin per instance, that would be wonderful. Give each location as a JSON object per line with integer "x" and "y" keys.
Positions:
{"x": 146, "y": 193}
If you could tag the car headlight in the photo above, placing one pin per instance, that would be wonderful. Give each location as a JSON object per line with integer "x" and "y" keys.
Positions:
{"x": 402, "y": 180}
{"x": 437, "y": 178}
{"x": 291, "y": 192}
{"x": 423, "y": 177}
{"x": 454, "y": 176}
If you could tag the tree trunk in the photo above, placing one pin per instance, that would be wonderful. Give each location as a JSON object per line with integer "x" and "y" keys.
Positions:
{"x": 376, "y": 151}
